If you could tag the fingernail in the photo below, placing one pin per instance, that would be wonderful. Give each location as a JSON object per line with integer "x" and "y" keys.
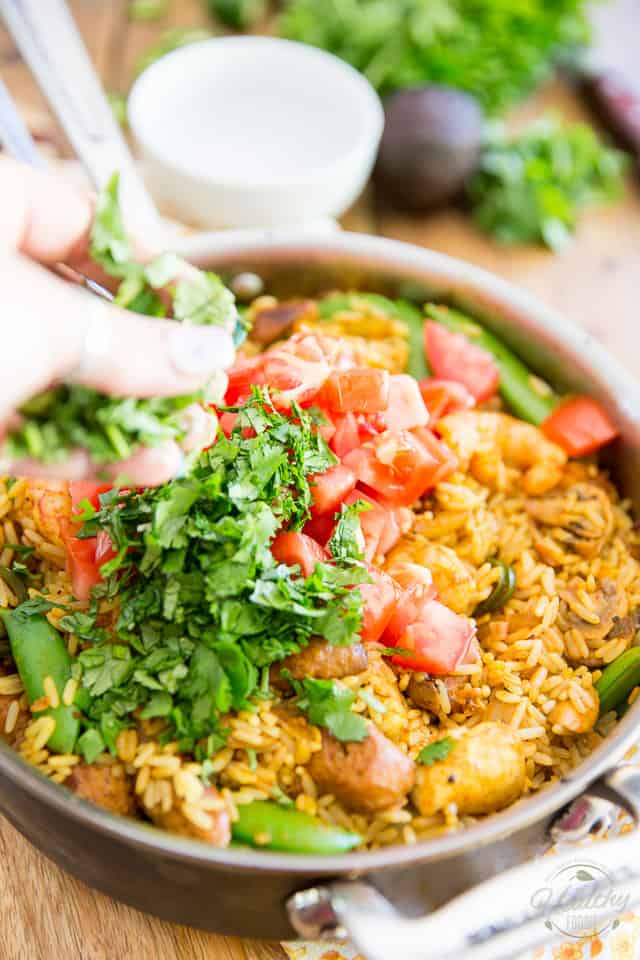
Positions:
{"x": 200, "y": 349}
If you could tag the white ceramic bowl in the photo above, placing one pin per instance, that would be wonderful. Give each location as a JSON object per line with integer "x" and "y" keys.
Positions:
{"x": 254, "y": 131}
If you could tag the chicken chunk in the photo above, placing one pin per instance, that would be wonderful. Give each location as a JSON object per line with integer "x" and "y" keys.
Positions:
{"x": 322, "y": 660}
{"x": 212, "y": 825}
{"x": 107, "y": 786}
{"x": 368, "y": 776}
{"x": 484, "y": 772}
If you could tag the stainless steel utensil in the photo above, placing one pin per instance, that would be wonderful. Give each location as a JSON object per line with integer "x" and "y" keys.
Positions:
{"x": 49, "y": 42}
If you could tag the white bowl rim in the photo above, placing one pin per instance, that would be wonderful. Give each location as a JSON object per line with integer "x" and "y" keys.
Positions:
{"x": 372, "y": 132}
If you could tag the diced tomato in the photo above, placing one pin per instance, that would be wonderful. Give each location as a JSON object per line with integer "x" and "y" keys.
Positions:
{"x": 396, "y": 466}
{"x": 327, "y": 430}
{"x": 406, "y": 407}
{"x": 82, "y": 566}
{"x": 580, "y": 426}
{"x": 453, "y": 357}
{"x": 347, "y": 436}
{"x": 243, "y": 374}
{"x": 291, "y": 548}
{"x": 436, "y": 448}
{"x": 86, "y": 490}
{"x": 104, "y": 548}
{"x": 445, "y": 396}
{"x": 379, "y": 599}
{"x": 330, "y": 488}
{"x": 358, "y": 390}
{"x": 372, "y": 522}
{"x": 320, "y": 528}
{"x": 438, "y": 638}
{"x": 409, "y": 603}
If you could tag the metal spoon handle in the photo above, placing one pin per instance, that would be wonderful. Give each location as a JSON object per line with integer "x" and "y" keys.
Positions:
{"x": 50, "y": 43}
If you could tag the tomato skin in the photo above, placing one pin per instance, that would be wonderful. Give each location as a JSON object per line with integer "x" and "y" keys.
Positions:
{"x": 396, "y": 466}
{"x": 379, "y": 598}
{"x": 330, "y": 488}
{"x": 320, "y": 528}
{"x": 290, "y": 548}
{"x": 84, "y": 557}
{"x": 346, "y": 437}
{"x": 406, "y": 407}
{"x": 445, "y": 396}
{"x": 452, "y": 357}
{"x": 436, "y": 448}
{"x": 580, "y": 426}
{"x": 439, "y": 638}
{"x": 372, "y": 522}
{"x": 358, "y": 390}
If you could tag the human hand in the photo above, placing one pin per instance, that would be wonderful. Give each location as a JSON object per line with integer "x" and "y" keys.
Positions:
{"x": 55, "y": 331}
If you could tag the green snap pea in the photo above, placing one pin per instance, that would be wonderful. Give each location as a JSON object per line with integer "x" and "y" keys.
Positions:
{"x": 14, "y": 582}
{"x": 526, "y": 395}
{"x": 39, "y": 651}
{"x": 501, "y": 593}
{"x": 288, "y": 829}
{"x": 618, "y": 680}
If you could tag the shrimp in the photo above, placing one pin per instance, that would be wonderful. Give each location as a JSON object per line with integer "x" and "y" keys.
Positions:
{"x": 51, "y": 508}
{"x": 487, "y": 441}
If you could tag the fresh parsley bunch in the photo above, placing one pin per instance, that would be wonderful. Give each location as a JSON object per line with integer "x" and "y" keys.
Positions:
{"x": 204, "y": 608}
{"x": 529, "y": 189}
{"x": 111, "y": 428}
{"x": 495, "y": 49}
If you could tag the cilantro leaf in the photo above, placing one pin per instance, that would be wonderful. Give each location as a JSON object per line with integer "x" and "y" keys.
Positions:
{"x": 327, "y": 703}
{"x": 438, "y": 750}
{"x": 347, "y": 541}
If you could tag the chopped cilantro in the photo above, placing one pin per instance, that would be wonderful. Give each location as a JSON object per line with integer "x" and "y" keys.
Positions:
{"x": 205, "y": 608}
{"x": 327, "y": 703}
{"x": 438, "y": 750}
{"x": 347, "y": 541}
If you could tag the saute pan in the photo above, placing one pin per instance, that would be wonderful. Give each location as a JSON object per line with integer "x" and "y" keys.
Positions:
{"x": 374, "y": 896}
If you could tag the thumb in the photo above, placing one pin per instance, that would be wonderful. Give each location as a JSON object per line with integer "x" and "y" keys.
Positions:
{"x": 57, "y": 331}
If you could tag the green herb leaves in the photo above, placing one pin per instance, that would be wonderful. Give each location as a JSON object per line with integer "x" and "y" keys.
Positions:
{"x": 438, "y": 750}
{"x": 494, "y": 49}
{"x": 327, "y": 703}
{"x": 529, "y": 189}
{"x": 204, "y": 606}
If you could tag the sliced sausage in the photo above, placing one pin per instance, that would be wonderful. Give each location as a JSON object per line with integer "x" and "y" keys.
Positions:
{"x": 484, "y": 772}
{"x": 322, "y": 660}
{"x": 367, "y": 776}
{"x": 211, "y": 826}
{"x": 107, "y": 786}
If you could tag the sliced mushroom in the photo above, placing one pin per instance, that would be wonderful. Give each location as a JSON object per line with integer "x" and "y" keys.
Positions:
{"x": 433, "y": 695}
{"x": 579, "y": 519}
{"x": 591, "y": 619}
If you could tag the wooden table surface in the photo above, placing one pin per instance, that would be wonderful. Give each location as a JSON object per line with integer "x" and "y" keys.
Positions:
{"x": 43, "y": 912}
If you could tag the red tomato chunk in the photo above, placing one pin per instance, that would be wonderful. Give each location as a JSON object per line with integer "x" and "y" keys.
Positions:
{"x": 452, "y": 357}
{"x": 396, "y": 466}
{"x": 406, "y": 407}
{"x": 445, "y": 396}
{"x": 298, "y": 548}
{"x": 580, "y": 426}
{"x": 379, "y": 598}
{"x": 359, "y": 390}
{"x": 330, "y": 488}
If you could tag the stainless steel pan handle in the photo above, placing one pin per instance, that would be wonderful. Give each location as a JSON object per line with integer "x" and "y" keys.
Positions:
{"x": 503, "y": 917}
{"x": 49, "y": 42}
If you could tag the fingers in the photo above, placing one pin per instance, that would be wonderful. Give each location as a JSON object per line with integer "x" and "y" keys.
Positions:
{"x": 43, "y": 216}
{"x": 53, "y": 330}
{"x": 149, "y": 466}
